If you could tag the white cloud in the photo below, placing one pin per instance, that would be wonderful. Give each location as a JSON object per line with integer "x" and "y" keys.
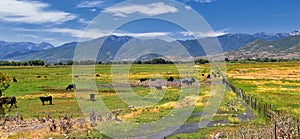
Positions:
{"x": 149, "y": 10}
{"x": 93, "y": 10}
{"x": 90, "y": 4}
{"x": 205, "y": 1}
{"x": 188, "y": 7}
{"x": 205, "y": 34}
{"x": 94, "y": 33}
{"x": 202, "y": 1}
{"x": 81, "y": 20}
{"x": 31, "y": 12}
{"x": 90, "y": 34}
{"x": 30, "y": 36}
{"x": 143, "y": 35}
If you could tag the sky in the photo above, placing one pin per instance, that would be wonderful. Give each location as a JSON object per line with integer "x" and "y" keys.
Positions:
{"x": 59, "y": 22}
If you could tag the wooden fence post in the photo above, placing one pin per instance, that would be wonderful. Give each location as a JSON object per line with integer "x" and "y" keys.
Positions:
{"x": 265, "y": 108}
{"x": 275, "y": 134}
{"x": 255, "y": 104}
{"x": 298, "y": 127}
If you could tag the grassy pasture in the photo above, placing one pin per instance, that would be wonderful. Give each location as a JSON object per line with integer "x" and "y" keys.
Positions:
{"x": 276, "y": 83}
{"x": 272, "y": 83}
{"x": 54, "y": 80}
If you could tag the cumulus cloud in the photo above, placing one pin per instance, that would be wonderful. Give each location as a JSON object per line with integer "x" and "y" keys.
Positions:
{"x": 90, "y": 4}
{"x": 31, "y": 12}
{"x": 149, "y": 9}
{"x": 205, "y": 34}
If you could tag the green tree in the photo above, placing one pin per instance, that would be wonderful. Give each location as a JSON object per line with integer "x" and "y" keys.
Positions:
{"x": 201, "y": 61}
{"x": 70, "y": 62}
{"x": 4, "y": 82}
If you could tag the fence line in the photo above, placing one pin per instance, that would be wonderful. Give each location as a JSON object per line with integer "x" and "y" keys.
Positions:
{"x": 266, "y": 110}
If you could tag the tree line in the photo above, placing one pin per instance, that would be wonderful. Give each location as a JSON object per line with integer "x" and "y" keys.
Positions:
{"x": 24, "y": 63}
{"x": 152, "y": 61}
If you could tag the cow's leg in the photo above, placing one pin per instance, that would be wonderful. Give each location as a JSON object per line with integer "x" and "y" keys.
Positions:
{"x": 50, "y": 102}
{"x": 43, "y": 102}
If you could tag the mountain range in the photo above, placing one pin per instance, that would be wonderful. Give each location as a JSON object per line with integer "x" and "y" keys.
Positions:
{"x": 235, "y": 46}
{"x": 12, "y": 49}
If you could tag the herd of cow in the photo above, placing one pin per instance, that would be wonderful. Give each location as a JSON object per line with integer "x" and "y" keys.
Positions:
{"x": 12, "y": 101}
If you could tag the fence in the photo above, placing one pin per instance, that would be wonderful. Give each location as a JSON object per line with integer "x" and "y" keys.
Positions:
{"x": 268, "y": 111}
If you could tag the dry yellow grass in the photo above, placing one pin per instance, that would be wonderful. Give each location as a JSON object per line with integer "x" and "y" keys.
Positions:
{"x": 53, "y": 94}
{"x": 266, "y": 73}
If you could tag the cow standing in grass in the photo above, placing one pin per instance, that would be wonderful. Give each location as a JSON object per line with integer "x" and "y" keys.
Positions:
{"x": 171, "y": 79}
{"x": 71, "y": 86}
{"x": 15, "y": 80}
{"x": 8, "y": 100}
{"x": 48, "y": 98}
{"x": 143, "y": 79}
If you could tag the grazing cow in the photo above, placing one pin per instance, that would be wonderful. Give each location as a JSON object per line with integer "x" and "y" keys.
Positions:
{"x": 45, "y": 76}
{"x": 38, "y": 76}
{"x": 208, "y": 76}
{"x": 15, "y": 80}
{"x": 171, "y": 79}
{"x": 43, "y": 99}
{"x": 202, "y": 74}
{"x": 8, "y": 100}
{"x": 143, "y": 79}
{"x": 71, "y": 86}
{"x": 97, "y": 75}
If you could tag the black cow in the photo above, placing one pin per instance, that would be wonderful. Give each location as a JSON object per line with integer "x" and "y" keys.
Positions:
{"x": 71, "y": 86}
{"x": 15, "y": 80}
{"x": 97, "y": 75}
{"x": 43, "y": 99}
{"x": 208, "y": 76}
{"x": 171, "y": 79}
{"x": 8, "y": 100}
{"x": 143, "y": 79}
{"x": 38, "y": 76}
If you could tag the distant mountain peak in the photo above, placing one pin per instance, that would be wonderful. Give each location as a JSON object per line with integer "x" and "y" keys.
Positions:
{"x": 45, "y": 45}
{"x": 295, "y": 33}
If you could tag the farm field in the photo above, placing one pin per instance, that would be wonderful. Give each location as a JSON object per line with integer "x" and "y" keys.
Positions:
{"x": 273, "y": 83}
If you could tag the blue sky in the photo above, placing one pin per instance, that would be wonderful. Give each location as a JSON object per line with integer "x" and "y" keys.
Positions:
{"x": 58, "y": 22}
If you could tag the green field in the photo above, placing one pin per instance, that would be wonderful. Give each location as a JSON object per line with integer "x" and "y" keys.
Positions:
{"x": 274, "y": 83}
